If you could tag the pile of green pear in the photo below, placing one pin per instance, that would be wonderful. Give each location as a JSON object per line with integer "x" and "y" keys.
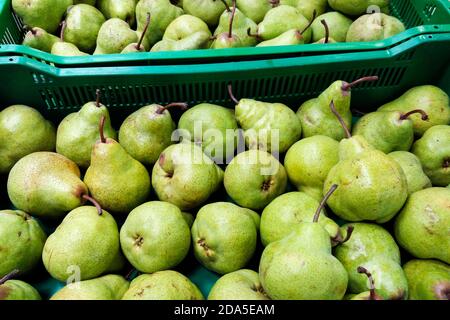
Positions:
{"x": 306, "y": 205}
{"x": 78, "y": 28}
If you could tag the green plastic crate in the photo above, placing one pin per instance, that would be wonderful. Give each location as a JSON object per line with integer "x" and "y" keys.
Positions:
{"x": 419, "y": 16}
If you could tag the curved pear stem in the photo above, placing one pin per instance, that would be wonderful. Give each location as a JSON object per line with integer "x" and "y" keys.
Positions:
{"x": 230, "y": 93}
{"x": 348, "y": 86}
{"x": 310, "y": 23}
{"x": 63, "y": 28}
{"x": 9, "y": 276}
{"x": 274, "y": 3}
{"x": 101, "y": 129}
{"x": 227, "y": 7}
{"x": 324, "y": 201}
{"x": 180, "y": 105}
{"x": 327, "y": 30}
{"x": 341, "y": 121}
{"x": 250, "y": 34}
{"x": 423, "y": 113}
{"x": 349, "y": 234}
{"x": 233, "y": 12}
{"x": 371, "y": 282}
{"x": 94, "y": 202}
{"x": 97, "y": 98}
{"x": 147, "y": 24}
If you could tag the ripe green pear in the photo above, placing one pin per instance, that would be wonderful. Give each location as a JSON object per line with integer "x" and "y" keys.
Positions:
{"x": 207, "y": 10}
{"x": 243, "y": 284}
{"x": 357, "y": 8}
{"x": 66, "y": 49}
{"x": 255, "y": 9}
{"x": 155, "y": 237}
{"x": 373, "y": 27}
{"x": 109, "y": 287}
{"x": 254, "y": 178}
{"x": 117, "y": 181}
{"x": 421, "y": 227}
{"x": 122, "y": 9}
{"x": 308, "y": 162}
{"x": 82, "y": 245}
{"x": 411, "y": 166}
{"x": 40, "y": 39}
{"x": 430, "y": 99}
{"x": 224, "y": 236}
{"x": 114, "y": 35}
{"x": 162, "y": 285}
{"x": 16, "y": 289}
{"x": 290, "y": 37}
{"x": 23, "y": 130}
{"x": 185, "y": 176}
{"x": 45, "y": 14}
{"x": 433, "y": 151}
{"x": 428, "y": 279}
{"x": 22, "y": 240}
{"x": 338, "y": 25}
{"x": 46, "y": 184}
{"x": 241, "y": 23}
{"x": 78, "y": 132}
{"x": 307, "y": 7}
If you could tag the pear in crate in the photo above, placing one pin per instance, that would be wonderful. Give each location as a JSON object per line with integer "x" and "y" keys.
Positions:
{"x": 139, "y": 46}
{"x": 224, "y": 236}
{"x": 337, "y": 23}
{"x": 243, "y": 284}
{"x": 78, "y": 132}
{"x": 122, "y": 9}
{"x": 109, "y": 287}
{"x": 116, "y": 180}
{"x": 23, "y": 130}
{"x": 22, "y": 240}
{"x": 255, "y": 9}
{"x": 40, "y": 39}
{"x": 45, "y": 14}
{"x": 113, "y": 36}
{"x": 373, "y": 27}
{"x": 228, "y": 39}
{"x": 207, "y": 10}
{"x": 163, "y": 285}
{"x": 64, "y": 48}
{"x": 146, "y": 240}
{"x": 306, "y": 7}
{"x": 148, "y": 131}
{"x": 357, "y": 8}
{"x": 254, "y": 178}
{"x": 83, "y": 245}
{"x": 11, "y": 289}
{"x": 432, "y": 100}
{"x": 241, "y": 25}
{"x": 46, "y": 184}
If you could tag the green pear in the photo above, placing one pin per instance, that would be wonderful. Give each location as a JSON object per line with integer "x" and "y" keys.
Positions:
{"x": 241, "y": 25}
{"x": 281, "y": 19}
{"x": 308, "y": 162}
{"x": 254, "y": 178}
{"x": 316, "y": 117}
{"x": 184, "y": 33}
{"x": 22, "y": 241}
{"x": 243, "y": 284}
{"x": 256, "y": 9}
{"x": 113, "y": 36}
{"x": 228, "y": 39}
{"x": 118, "y": 263}
{"x": 185, "y": 176}
{"x": 337, "y": 23}
{"x": 366, "y": 295}
{"x": 83, "y": 23}
{"x": 145, "y": 239}
{"x": 285, "y": 213}
{"x": 45, "y": 14}
{"x": 224, "y": 236}
{"x": 358, "y": 7}
{"x": 23, "y": 130}
{"x": 162, "y": 285}
{"x": 317, "y": 274}
{"x": 373, "y": 27}
{"x": 288, "y": 38}
{"x": 207, "y": 10}
{"x": 428, "y": 279}
{"x": 16, "y": 289}
{"x": 433, "y": 151}
{"x": 66, "y": 49}
{"x": 78, "y": 132}
{"x": 109, "y": 287}
{"x": 163, "y": 12}
{"x": 411, "y": 166}
{"x": 117, "y": 181}
{"x": 148, "y": 131}
{"x": 307, "y": 7}
{"x": 82, "y": 244}
{"x": 122, "y": 9}
{"x": 189, "y": 218}
{"x": 213, "y": 127}
{"x": 40, "y": 39}
{"x": 46, "y": 184}
{"x": 421, "y": 227}
{"x": 89, "y": 2}
{"x": 430, "y": 99}
{"x": 139, "y": 46}
{"x": 388, "y": 130}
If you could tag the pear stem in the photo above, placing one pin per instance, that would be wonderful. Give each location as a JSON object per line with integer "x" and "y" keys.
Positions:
{"x": 324, "y": 201}
{"x": 144, "y": 32}
{"x": 371, "y": 282}
{"x": 341, "y": 121}
{"x": 101, "y": 129}
{"x": 349, "y": 234}
{"x": 63, "y": 28}
{"x": 250, "y": 34}
{"x": 97, "y": 99}
{"x": 227, "y": 7}
{"x": 274, "y": 3}
{"x": 9, "y": 276}
{"x": 181, "y": 105}
{"x": 348, "y": 86}
{"x": 310, "y": 22}
{"x": 94, "y": 202}
{"x": 233, "y": 12}
{"x": 327, "y": 30}
{"x": 423, "y": 113}
{"x": 230, "y": 93}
